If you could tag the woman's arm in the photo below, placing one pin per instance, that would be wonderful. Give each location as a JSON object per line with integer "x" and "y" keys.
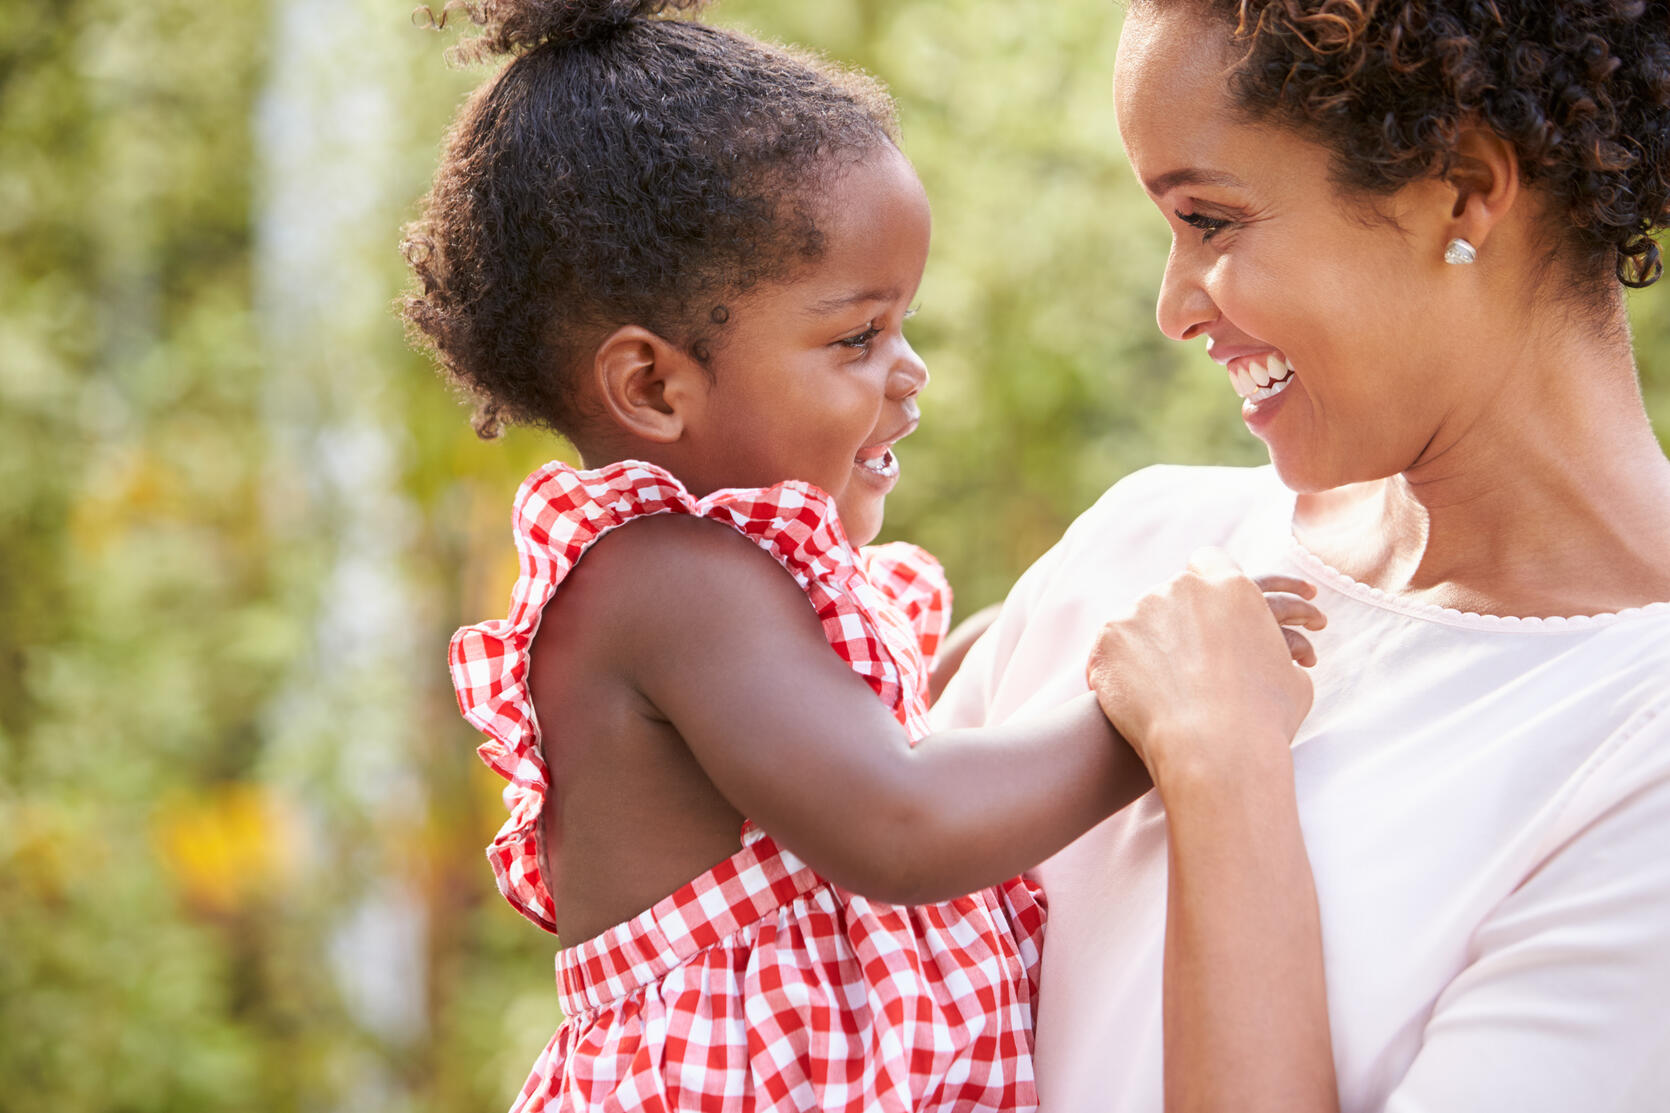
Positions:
{"x": 1203, "y": 684}
{"x": 1246, "y": 1008}
{"x": 1561, "y": 1003}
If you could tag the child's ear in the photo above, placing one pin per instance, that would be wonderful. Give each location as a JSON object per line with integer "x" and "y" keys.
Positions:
{"x": 650, "y": 387}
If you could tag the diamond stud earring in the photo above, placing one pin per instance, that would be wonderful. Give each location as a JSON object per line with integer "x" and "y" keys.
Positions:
{"x": 1458, "y": 252}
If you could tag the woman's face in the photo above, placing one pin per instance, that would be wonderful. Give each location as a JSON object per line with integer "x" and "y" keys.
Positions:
{"x": 1331, "y": 320}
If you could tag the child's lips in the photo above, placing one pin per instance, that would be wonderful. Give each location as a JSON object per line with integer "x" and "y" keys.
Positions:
{"x": 882, "y": 464}
{"x": 878, "y": 460}
{"x": 884, "y": 446}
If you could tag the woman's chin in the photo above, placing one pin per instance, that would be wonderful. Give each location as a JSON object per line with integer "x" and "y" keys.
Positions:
{"x": 1300, "y": 473}
{"x": 1305, "y": 473}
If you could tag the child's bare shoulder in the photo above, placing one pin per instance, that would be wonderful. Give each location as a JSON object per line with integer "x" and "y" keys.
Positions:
{"x": 677, "y": 578}
{"x": 679, "y": 550}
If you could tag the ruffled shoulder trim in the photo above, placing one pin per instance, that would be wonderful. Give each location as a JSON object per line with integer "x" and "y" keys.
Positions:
{"x": 561, "y": 512}
{"x": 914, "y": 581}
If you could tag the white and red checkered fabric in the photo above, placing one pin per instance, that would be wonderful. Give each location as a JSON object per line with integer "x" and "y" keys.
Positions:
{"x": 912, "y": 580}
{"x": 757, "y": 986}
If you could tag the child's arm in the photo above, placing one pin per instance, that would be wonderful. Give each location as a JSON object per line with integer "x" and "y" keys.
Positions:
{"x": 721, "y": 641}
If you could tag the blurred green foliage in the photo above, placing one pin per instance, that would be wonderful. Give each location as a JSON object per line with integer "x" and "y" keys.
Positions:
{"x": 240, "y": 822}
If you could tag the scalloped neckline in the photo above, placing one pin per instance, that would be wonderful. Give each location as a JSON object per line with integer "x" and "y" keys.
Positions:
{"x": 1432, "y": 612}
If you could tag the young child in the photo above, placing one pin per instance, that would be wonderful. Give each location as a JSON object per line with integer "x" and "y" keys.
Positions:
{"x": 692, "y": 253}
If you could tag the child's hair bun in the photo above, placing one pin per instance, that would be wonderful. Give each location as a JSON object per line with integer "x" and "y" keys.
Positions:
{"x": 513, "y": 26}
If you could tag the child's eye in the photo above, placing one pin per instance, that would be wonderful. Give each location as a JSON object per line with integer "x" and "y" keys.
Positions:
{"x": 861, "y": 341}
{"x": 1209, "y": 226}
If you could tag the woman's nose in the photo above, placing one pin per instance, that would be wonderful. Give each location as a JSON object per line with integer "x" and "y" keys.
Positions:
{"x": 908, "y": 375}
{"x": 1185, "y": 309}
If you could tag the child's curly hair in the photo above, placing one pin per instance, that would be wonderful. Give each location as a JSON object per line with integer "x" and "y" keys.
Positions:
{"x": 1581, "y": 88}
{"x": 623, "y": 168}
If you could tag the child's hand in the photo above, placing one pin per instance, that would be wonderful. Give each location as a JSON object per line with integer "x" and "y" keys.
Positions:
{"x": 1290, "y": 601}
{"x": 1200, "y": 680}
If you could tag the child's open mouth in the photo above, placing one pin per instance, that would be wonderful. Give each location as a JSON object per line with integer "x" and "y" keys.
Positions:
{"x": 877, "y": 459}
{"x": 880, "y": 463}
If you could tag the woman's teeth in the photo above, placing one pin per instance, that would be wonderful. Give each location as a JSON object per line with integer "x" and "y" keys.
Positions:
{"x": 1260, "y": 379}
{"x": 885, "y": 464}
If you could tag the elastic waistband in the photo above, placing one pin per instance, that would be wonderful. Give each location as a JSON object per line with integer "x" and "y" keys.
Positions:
{"x": 743, "y": 889}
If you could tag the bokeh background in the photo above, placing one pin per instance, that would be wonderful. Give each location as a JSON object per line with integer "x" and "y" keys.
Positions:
{"x": 240, "y": 821}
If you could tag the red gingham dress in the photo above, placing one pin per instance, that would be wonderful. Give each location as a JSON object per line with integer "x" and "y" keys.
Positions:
{"x": 758, "y": 985}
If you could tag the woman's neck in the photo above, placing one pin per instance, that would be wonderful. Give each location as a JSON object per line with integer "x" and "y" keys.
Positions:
{"x": 1553, "y": 498}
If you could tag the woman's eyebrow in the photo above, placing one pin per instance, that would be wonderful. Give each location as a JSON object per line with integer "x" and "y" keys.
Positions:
{"x": 1170, "y": 180}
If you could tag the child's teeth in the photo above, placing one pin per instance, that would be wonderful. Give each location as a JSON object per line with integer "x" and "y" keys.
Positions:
{"x": 1262, "y": 373}
{"x": 1276, "y": 368}
{"x": 882, "y": 465}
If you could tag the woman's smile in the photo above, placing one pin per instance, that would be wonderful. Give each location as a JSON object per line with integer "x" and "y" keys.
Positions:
{"x": 1260, "y": 377}
{"x": 1276, "y": 269}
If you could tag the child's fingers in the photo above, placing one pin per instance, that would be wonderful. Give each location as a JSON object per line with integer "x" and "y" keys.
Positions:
{"x": 1299, "y": 646}
{"x": 1290, "y": 610}
{"x": 1292, "y": 585}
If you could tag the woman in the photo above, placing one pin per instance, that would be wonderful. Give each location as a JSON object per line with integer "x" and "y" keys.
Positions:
{"x": 1403, "y": 229}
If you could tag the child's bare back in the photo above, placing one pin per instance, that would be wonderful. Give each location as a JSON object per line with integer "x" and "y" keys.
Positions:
{"x": 633, "y": 816}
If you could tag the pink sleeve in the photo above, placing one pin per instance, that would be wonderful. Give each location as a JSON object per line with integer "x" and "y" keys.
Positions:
{"x": 1562, "y": 1003}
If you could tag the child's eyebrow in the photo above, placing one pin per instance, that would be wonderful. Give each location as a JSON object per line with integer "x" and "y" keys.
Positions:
{"x": 846, "y": 301}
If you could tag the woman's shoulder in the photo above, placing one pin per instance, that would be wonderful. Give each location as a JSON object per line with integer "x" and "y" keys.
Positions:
{"x": 1168, "y": 506}
{"x": 1194, "y": 487}
{"x": 1625, "y": 673}
{"x": 1140, "y": 533}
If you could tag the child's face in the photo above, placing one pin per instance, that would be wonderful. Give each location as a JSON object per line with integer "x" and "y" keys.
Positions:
{"x": 814, "y": 379}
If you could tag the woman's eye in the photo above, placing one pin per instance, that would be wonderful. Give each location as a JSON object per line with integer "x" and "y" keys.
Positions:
{"x": 861, "y": 341}
{"x": 1209, "y": 226}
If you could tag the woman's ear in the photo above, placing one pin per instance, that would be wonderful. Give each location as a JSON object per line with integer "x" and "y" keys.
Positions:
{"x": 649, "y": 387}
{"x": 1483, "y": 181}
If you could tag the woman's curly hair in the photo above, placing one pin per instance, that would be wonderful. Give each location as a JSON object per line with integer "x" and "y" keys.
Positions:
{"x": 622, "y": 168}
{"x": 1580, "y": 88}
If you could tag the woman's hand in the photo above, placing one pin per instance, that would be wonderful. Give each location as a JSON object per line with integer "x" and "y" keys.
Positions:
{"x": 1203, "y": 673}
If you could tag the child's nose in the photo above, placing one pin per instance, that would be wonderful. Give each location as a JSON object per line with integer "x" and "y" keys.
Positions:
{"x": 908, "y": 375}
